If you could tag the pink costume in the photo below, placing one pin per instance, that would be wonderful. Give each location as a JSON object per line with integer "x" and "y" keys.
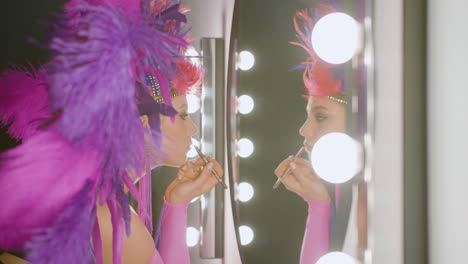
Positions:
{"x": 173, "y": 246}
{"x": 79, "y": 120}
{"x": 320, "y": 81}
{"x": 316, "y": 237}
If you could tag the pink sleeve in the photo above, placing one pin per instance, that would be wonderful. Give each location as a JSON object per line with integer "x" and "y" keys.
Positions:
{"x": 316, "y": 237}
{"x": 173, "y": 246}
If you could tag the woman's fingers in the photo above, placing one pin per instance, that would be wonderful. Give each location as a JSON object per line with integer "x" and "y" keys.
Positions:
{"x": 204, "y": 175}
{"x": 216, "y": 166}
{"x": 197, "y": 162}
{"x": 284, "y": 165}
{"x": 291, "y": 183}
{"x": 303, "y": 171}
{"x": 145, "y": 120}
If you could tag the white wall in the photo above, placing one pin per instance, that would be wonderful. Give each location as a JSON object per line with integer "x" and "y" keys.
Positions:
{"x": 386, "y": 193}
{"x": 448, "y": 131}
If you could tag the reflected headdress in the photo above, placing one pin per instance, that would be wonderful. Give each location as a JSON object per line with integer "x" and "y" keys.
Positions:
{"x": 321, "y": 79}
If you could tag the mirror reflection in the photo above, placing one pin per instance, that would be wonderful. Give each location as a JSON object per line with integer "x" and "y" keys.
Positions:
{"x": 307, "y": 127}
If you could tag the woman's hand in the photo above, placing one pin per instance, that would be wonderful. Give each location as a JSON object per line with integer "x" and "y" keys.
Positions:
{"x": 193, "y": 180}
{"x": 302, "y": 180}
{"x": 145, "y": 121}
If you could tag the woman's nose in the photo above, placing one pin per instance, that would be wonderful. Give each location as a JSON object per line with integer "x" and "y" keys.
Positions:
{"x": 192, "y": 129}
{"x": 303, "y": 130}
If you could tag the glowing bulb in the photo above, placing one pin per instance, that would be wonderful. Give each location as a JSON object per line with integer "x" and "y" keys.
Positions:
{"x": 193, "y": 103}
{"x": 245, "y": 147}
{"x": 192, "y": 153}
{"x": 246, "y": 60}
{"x": 336, "y": 38}
{"x": 193, "y": 236}
{"x": 245, "y": 191}
{"x": 203, "y": 202}
{"x": 336, "y": 157}
{"x": 193, "y": 55}
{"x": 336, "y": 258}
{"x": 246, "y": 235}
{"x": 245, "y": 104}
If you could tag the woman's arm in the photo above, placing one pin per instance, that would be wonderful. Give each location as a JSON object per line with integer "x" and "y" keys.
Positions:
{"x": 7, "y": 258}
{"x": 316, "y": 235}
{"x": 302, "y": 180}
{"x": 190, "y": 183}
{"x": 173, "y": 246}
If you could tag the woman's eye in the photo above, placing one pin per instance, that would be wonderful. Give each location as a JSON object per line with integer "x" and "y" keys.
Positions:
{"x": 183, "y": 116}
{"x": 320, "y": 117}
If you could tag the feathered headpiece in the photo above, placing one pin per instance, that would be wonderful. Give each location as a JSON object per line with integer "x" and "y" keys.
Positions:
{"x": 319, "y": 77}
{"x": 24, "y": 103}
{"x": 106, "y": 49}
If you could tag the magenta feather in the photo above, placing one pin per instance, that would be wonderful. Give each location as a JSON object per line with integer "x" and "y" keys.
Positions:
{"x": 38, "y": 178}
{"x": 23, "y": 101}
{"x": 117, "y": 231}
{"x": 69, "y": 235}
{"x": 145, "y": 207}
{"x": 97, "y": 243}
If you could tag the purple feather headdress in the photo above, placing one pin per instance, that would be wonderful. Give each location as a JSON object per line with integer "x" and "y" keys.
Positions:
{"x": 92, "y": 79}
{"x": 96, "y": 138}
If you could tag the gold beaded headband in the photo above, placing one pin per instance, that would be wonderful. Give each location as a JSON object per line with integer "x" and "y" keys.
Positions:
{"x": 336, "y": 99}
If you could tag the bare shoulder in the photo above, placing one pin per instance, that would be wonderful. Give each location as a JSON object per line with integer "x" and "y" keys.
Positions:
{"x": 7, "y": 258}
{"x": 138, "y": 247}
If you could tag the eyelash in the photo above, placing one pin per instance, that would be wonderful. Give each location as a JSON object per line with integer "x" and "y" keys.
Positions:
{"x": 320, "y": 117}
{"x": 183, "y": 116}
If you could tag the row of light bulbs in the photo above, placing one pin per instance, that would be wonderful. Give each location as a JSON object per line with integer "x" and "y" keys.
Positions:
{"x": 245, "y": 148}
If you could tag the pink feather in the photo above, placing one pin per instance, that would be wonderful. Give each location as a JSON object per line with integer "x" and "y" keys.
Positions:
{"x": 23, "y": 101}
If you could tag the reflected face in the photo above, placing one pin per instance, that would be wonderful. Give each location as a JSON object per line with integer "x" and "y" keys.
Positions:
{"x": 323, "y": 116}
{"x": 177, "y": 134}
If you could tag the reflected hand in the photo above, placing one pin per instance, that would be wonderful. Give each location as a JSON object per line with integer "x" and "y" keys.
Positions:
{"x": 193, "y": 180}
{"x": 302, "y": 180}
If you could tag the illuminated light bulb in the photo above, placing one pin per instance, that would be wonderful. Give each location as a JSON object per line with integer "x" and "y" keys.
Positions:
{"x": 336, "y": 157}
{"x": 193, "y": 236}
{"x": 193, "y": 55}
{"x": 246, "y": 235}
{"x": 336, "y": 38}
{"x": 336, "y": 258}
{"x": 245, "y": 104}
{"x": 245, "y": 191}
{"x": 203, "y": 202}
{"x": 192, "y": 153}
{"x": 193, "y": 103}
{"x": 246, "y": 60}
{"x": 245, "y": 148}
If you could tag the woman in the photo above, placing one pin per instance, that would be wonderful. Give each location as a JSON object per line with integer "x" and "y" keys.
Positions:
{"x": 326, "y": 112}
{"x": 72, "y": 167}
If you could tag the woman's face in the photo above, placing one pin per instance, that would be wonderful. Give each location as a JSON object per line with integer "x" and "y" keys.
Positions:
{"x": 177, "y": 134}
{"x": 323, "y": 116}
